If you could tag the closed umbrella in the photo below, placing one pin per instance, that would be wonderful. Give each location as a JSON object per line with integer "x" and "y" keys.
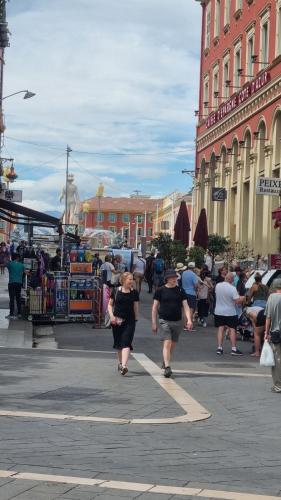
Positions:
{"x": 182, "y": 225}
{"x": 200, "y": 237}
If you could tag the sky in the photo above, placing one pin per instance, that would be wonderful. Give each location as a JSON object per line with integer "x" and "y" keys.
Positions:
{"x": 116, "y": 80}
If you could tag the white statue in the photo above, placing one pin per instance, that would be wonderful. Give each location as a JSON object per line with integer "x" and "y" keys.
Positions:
{"x": 73, "y": 201}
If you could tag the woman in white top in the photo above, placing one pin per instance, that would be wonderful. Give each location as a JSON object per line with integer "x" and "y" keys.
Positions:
{"x": 138, "y": 271}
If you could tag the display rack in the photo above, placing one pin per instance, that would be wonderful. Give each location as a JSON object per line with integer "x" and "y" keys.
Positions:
{"x": 84, "y": 298}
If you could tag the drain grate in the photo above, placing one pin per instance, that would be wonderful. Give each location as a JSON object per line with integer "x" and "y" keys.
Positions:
{"x": 68, "y": 393}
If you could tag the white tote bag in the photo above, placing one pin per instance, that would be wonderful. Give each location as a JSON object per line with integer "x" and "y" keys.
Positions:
{"x": 267, "y": 356}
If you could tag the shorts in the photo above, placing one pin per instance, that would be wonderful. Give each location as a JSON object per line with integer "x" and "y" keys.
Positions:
{"x": 260, "y": 321}
{"x": 170, "y": 330}
{"x": 230, "y": 321}
{"x": 191, "y": 300}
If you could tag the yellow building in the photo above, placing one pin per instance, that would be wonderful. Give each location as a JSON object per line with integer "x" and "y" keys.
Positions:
{"x": 167, "y": 211}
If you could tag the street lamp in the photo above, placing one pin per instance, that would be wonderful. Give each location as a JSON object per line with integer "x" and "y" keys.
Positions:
{"x": 27, "y": 94}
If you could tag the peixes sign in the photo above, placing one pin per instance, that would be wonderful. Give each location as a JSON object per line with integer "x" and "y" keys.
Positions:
{"x": 268, "y": 185}
{"x": 238, "y": 98}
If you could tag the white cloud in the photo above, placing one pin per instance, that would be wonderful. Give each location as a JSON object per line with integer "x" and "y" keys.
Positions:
{"x": 109, "y": 77}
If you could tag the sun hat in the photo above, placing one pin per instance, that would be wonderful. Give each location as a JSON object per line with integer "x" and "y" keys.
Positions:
{"x": 180, "y": 267}
{"x": 191, "y": 265}
{"x": 170, "y": 273}
{"x": 276, "y": 284}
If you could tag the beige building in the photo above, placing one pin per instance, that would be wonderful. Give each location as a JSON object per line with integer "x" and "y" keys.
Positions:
{"x": 167, "y": 211}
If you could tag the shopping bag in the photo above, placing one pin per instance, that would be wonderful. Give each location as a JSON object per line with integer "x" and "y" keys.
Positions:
{"x": 267, "y": 356}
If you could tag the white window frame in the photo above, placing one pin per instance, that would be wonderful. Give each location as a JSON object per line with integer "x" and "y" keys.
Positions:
{"x": 265, "y": 19}
{"x": 236, "y": 77}
{"x": 238, "y": 5}
{"x": 226, "y": 60}
{"x": 215, "y": 88}
{"x": 206, "y": 91}
{"x": 208, "y": 15}
{"x": 250, "y": 70}
{"x": 217, "y": 18}
{"x": 226, "y": 12}
{"x": 278, "y": 29}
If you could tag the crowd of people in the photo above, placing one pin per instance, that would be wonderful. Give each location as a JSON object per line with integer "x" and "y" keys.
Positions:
{"x": 185, "y": 290}
{"x": 195, "y": 294}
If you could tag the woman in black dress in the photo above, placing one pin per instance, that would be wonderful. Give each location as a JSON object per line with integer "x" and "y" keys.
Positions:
{"x": 123, "y": 309}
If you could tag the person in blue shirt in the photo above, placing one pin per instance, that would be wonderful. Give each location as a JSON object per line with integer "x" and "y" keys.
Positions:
{"x": 190, "y": 286}
{"x": 16, "y": 272}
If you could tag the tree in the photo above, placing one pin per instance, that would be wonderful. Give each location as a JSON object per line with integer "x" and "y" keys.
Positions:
{"x": 217, "y": 245}
{"x": 164, "y": 243}
{"x": 196, "y": 254}
{"x": 178, "y": 252}
{"x": 172, "y": 251}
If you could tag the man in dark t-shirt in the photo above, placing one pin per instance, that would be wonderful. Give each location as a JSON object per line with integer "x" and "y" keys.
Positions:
{"x": 168, "y": 303}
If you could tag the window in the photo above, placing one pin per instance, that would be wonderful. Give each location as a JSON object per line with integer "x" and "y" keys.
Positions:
{"x": 149, "y": 231}
{"x": 139, "y": 219}
{"x": 100, "y": 217}
{"x": 140, "y": 231}
{"x": 226, "y": 12}
{"x": 217, "y": 17}
{"x": 237, "y": 65}
{"x": 225, "y": 91}
{"x": 112, "y": 217}
{"x": 250, "y": 53}
{"x": 208, "y": 26}
{"x": 206, "y": 90}
{"x": 264, "y": 40}
{"x": 126, "y": 232}
{"x": 215, "y": 85}
{"x": 112, "y": 229}
{"x": 150, "y": 218}
{"x": 2, "y": 225}
{"x": 165, "y": 225}
{"x": 278, "y": 29}
{"x": 126, "y": 218}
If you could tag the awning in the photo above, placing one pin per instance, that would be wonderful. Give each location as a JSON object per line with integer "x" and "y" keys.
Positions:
{"x": 27, "y": 215}
{"x": 17, "y": 214}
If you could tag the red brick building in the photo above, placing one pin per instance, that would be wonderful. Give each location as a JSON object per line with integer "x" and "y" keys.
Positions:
{"x": 130, "y": 217}
{"x": 239, "y": 118}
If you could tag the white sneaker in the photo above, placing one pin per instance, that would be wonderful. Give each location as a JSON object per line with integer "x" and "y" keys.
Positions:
{"x": 10, "y": 317}
{"x": 204, "y": 324}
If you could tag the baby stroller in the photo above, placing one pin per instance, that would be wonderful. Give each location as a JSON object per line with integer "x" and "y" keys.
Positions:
{"x": 245, "y": 328}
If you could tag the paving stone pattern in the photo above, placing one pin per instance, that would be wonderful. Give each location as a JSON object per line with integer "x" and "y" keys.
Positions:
{"x": 238, "y": 448}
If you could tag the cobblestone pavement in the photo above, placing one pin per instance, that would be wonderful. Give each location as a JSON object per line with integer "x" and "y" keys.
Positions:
{"x": 237, "y": 450}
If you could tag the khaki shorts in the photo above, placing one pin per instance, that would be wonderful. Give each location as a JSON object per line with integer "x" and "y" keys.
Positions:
{"x": 170, "y": 330}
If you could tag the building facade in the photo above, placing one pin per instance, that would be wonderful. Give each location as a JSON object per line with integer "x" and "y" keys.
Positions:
{"x": 131, "y": 217}
{"x": 167, "y": 212}
{"x": 239, "y": 119}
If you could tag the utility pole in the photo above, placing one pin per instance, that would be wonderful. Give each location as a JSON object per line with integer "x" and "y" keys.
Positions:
{"x": 68, "y": 151}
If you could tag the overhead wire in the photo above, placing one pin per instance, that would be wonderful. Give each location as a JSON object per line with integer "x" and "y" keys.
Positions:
{"x": 97, "y": 153}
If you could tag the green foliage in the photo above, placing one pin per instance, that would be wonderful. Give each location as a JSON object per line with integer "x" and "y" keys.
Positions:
{"x": 217, "y": 245}
{"x": 238, "y": 251}
{"x": 196, "y": 254}
{"x": 178, "y": 252}
{"x": 163, "y": 243}
{"x": 172, "y": 251}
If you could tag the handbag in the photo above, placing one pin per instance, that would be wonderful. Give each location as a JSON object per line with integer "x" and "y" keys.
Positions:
{"x": 275, "y": 337}
{"x": 107, "y": 320}
{"x": 267, "y": 356}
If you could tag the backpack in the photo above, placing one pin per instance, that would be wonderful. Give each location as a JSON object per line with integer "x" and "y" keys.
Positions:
{"x": 159, "y": 266}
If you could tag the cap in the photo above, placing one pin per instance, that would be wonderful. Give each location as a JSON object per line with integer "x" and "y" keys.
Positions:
{"x": 191, "y": 264}
{"x": 276, "y": 285}
{"x": 170, "y": 273}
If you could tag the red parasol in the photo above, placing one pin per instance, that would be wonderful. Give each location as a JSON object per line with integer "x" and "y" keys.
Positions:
{"x": 182, "y": 225}
{"x": 201, "y": 236}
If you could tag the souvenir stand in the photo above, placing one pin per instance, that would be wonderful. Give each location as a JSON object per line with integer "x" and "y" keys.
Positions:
{"x": 84, "y": 292}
